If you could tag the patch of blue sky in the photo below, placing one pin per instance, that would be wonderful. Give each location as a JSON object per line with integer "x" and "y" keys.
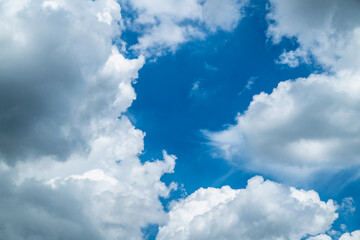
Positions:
{"x": 150, "y": 232}
{"x": 203, "y": 86}
{"x": 220, "y": 67}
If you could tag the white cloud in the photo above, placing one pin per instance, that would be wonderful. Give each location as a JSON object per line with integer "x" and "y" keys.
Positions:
{"x": 223, "y": 15}
{"x": 305, "y": 124}
{"x": 294, "y": 58}
{"x": 263, "y": 210}
{"x": 347, "y": 206}
{"x": 351, "y": 236}
{"x": 166, "y": 37}
{"x": 169, "y": 23}
{"x": 69, "y": 168}
{"x": 346, "y": 236}
{"x": 111, "y": 201}
{"x": 328, "y": 29}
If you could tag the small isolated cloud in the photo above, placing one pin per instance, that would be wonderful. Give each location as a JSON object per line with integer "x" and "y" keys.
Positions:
{"x": 249, "y": 84}
{"x": 343, "y": 227}
{"x": 210, "y": 67}
{"x": 197, "y": 90}
{"x": 347, "y": 206}
{"x": 294, "y": 58}
{"x": 263, "y": 210}
{"x": 194, "y": 89}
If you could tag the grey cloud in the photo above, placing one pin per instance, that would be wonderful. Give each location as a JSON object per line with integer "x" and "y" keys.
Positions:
{"x": 62, "y": 87}
{"x": 48, "y": 60}
{"x": 35, "y": 211}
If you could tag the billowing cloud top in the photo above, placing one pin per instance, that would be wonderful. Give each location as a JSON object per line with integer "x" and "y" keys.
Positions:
{"x": 310, "y": 123}
{"x": 263, "y": 210}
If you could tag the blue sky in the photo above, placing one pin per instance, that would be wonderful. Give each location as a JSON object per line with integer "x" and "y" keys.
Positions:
{"x": 173, "y": 115}
{"x": 165, "y": 119}
{"x": 167, "y": 107}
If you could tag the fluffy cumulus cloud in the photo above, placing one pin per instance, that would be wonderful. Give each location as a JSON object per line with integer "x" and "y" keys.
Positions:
{"x": 351, "y": 236}
{"x": 328, "y": 30}
{"x": 309, "y": 123}
{"x": 165, "y": 24}
{"x": 346, "y": 236}
{"x": 55, "y": 67}
{"x": 112, "y": 201}
{"x": 263, "y": 210}
{"x": 69, "y": 167}
{"x": 69, "y": 158}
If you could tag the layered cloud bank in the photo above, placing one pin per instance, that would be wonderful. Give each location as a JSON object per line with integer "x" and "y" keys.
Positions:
{"x": 310, "y": 123}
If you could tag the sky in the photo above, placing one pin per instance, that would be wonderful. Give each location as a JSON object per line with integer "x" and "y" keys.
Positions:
{"x": 193, "y": 119}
